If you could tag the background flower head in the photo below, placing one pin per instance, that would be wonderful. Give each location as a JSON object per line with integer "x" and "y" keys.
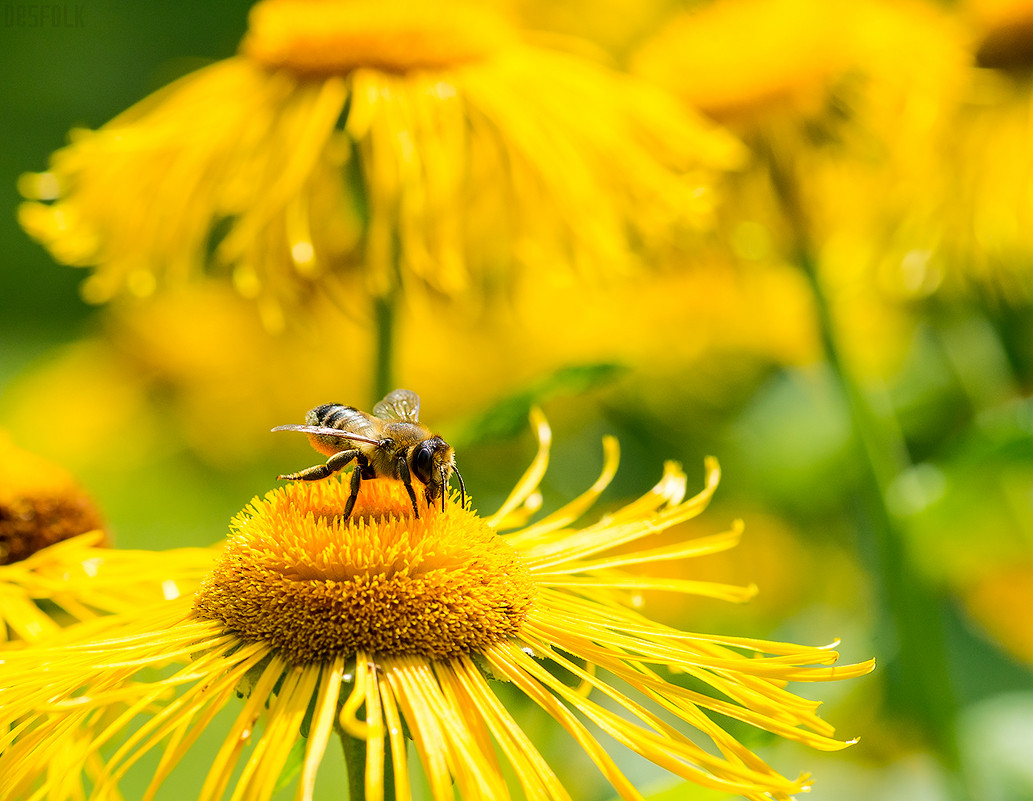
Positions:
{"x": 350, "y": 150}
{"x": 58, "y": 566}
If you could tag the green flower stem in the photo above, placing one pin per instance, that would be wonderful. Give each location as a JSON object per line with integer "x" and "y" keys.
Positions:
{"x": 385, "y": 321}
{"x": 384, "y": 308}
{"x": 355, "y": 759}
{"x": 911, "y": 611}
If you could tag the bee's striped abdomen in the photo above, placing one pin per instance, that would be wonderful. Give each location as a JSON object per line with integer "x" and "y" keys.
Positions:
{"x": 346, "y": 419}
{"x": 329, "y": 415}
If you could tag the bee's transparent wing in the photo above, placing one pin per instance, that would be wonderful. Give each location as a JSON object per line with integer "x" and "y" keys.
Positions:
{"x": 400, "y": 404}
{"x": 323, "y": 431}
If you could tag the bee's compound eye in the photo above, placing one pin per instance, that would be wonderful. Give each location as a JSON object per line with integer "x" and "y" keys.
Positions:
{"x": 423, "y": 461}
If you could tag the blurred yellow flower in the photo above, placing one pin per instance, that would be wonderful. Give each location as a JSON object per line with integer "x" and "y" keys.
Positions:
{"x": 190, "y": 367}
{"x": 847, "y": 107}
{"x": 1004, "y": 32}
{"x": 353, "y": 148}
{"x": 974, "y": 217}
{"x": 615, "y": 25}
{"x": 669, "y": 328}
{"x": 55, "y": 567}
{"x": 1000, "y": 601}
{"x": 386, "y": 626}
{"x": 40, "y": 504}
{"x": 785, "y": 53}
{"x": 110, "y": 400}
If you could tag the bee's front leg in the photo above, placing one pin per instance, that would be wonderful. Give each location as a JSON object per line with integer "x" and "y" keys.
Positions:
{"x": 320, "y": 471}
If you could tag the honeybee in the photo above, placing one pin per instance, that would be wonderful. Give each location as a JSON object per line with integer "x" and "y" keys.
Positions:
{"x": 390, "y": 443}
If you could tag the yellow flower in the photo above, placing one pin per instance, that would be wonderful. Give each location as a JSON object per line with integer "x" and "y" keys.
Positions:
{"x": 848, "y": 108}
{"x": 616, "y": 25}
{"x": 40, "y": 504}
{"x": 387, "y": 627}
{"x": 996, "y": 600}
{"x": 968, "y": 231}
{"x": 1005, "y": 29}
{"x": 353, "y": 148}
{"x": 55, "y": 567}
{"x": 786, "y": 53}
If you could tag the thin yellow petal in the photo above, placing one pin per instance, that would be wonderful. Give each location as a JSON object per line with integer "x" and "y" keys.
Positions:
{"x": 576, "y": 508}
{"x": 240, "y": 733}
{"x": 531, "y": 478}
{"x": 322, "y": 727}
{"x": 398, "y": 743}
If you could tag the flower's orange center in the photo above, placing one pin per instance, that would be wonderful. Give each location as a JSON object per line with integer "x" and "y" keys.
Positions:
{"x": 295, "y": 575}
{"x": 332, "y": 37}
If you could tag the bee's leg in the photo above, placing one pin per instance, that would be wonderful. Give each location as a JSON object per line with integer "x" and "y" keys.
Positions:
{"x": 356, "y": 482}
{"x": 333, "y": 464}
{"x": 403, "y": 474}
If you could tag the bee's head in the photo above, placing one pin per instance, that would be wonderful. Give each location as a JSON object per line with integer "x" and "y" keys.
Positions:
{"x": 433, "y": 461}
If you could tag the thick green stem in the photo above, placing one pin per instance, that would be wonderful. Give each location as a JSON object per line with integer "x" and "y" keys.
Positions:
{"x": 355, "y": 758}
{"x": 911, "y": 611}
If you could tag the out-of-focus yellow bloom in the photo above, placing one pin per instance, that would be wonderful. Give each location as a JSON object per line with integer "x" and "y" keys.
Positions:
{"x": 53, "y": 552}
{"x": 1004, "y": 32}
{"x": 1000, "y": 602}
{"x": 40, "y": 504}
{"x": 193, "y": 366}
{"x": 353, "y": 148}
{"x": 801, "y": 63}
{"x": 968, "y": 227}
{"x": 221, "y": 375}
{"x": 785, "y": 53}
{"x": 851, "y": 103}
{"x": 615, "y": 25}
{"x": 112, "y": 421}
{"x": 669, "y": 328}
{"x": 387, "y": 624}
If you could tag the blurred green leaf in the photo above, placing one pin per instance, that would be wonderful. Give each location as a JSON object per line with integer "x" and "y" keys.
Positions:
{"x": 508, "y": 417}
{"x": 792, "y": 441}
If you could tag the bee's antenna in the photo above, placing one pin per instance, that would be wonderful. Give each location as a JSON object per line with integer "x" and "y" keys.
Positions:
{"x": 462, "y": 487}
